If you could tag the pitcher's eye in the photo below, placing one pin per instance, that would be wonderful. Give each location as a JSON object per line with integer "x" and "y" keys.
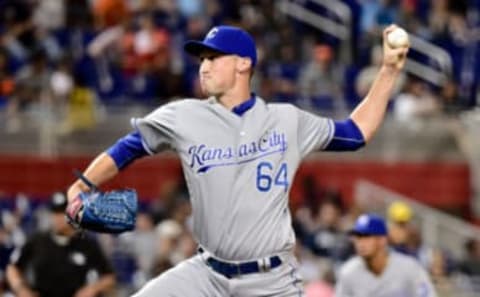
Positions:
{"x": 209, "y": 56}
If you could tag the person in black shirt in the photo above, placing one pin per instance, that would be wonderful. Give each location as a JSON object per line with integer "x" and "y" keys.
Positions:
{"x": 59, "y": 263}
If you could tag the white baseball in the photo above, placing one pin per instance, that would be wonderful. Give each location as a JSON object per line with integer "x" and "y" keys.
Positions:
{"x": 398, "y": 38}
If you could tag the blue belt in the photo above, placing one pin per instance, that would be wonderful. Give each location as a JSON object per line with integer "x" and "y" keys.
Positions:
{"x": 233, "y": 269}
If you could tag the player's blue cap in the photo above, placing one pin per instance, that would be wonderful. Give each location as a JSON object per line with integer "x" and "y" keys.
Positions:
{"x": 227, "y": 40}
{"x": 369, "y": 225}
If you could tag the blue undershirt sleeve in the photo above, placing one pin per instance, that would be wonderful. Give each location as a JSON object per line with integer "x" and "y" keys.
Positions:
{"x": 127, "y": 149}
{"x": 347, "y": 137}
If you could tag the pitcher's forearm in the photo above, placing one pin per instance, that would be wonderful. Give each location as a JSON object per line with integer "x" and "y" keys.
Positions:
{"x": 102, "y": 169}
{"x": 369, "y": 114}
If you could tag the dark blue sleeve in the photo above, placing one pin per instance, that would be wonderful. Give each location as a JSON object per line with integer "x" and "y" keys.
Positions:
{"x": 347, "y": 137}
{"x": 127, "y": 149}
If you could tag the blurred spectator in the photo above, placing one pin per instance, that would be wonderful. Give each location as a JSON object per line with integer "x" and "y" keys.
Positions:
{"x": 307, "y": 210}
{"x": 451, "y": 101}
{"x": 471, "y": 262}
{"x": 368, "y": 19}
{"x": 142, "y": 245}
{"x": 285, "y": 73}
{"x": 403, "y": 235}
{"x": 18, "y": 36}
{"x": 187, "y": 246}
{"x": 447, "y": 21}
{"x": 49, "y": 14}
{"x": 147, "y": 60}
{"x": 146, "y": 47}
{"x": 106, "y": 52}
{"x": 7, "y": 84}
{"x": 409, "y": 16}
{"x": 167, "y": 14}
{"x": 191, "y": 7}
{"x": 169, "y": 233}
{"x": 328, "y": 239}
{"x": 23, "y": 212}
{"x": 399, "y": 228}
{"x": 112, "y": 18}
{"x": 377, "y": 14}
{"x": 32, "y": 89}
{"x": 6, "y": 248}
{"x": 315, "y": 271}
{"x": 33, "y": 80}
{"x": 438, "y": 17}
{"x": 12, "y": 226}
{"x": 59, "y": 263}
{"x": 416, "y": 102}
{"x": 321, "y": 80}
{"x": 78, "y": 14}
{"x": 181, "y": 212}
{"x": 400, "y": 212}
{"x": 82, "y": 108}
{"x": 61, "y": 82}
{"x": 387, "y": 14}
{"x": 163, "y": 207}
{"x": 109, "y": 13}
{"x": 439, "y": 272}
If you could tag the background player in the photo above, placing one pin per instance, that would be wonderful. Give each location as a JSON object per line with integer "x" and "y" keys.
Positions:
{"x": 239, "y": 157}
{"x": 376, "y": 271}
{"x": 59, "y": 263}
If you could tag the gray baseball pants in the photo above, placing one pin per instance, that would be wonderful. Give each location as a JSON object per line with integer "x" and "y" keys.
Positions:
{"x": 194, "y": 278}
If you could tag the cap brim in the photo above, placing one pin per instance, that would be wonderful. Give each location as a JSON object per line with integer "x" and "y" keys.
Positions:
{"x": 57, "y": 209}
{"x": 355, "y": 233}
{"x": 195, "y": 48}
{"x": 360, "y": 233}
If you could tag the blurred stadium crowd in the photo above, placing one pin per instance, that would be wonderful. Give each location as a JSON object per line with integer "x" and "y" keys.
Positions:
{"x": 75, "y": 56}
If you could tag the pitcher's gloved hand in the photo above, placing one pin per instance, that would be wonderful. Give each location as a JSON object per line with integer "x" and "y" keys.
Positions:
{"x": 110, "y": 212}
{"x": 105, "y": 212}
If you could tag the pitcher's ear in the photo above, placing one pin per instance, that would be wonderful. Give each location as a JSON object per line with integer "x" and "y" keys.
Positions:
{"x": 244, "y": 64}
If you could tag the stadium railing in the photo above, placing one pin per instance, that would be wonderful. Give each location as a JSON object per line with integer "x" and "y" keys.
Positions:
{"x": 436, "y": 69}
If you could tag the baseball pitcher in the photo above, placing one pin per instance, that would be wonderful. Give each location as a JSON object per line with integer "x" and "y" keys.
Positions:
{"x": 239, "y": 156}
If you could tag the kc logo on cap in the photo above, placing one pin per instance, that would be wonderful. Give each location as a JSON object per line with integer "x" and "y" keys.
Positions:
{"x": 227, "y": 40}
{"x": 363, "y": 220}
{"x": 369, "y": 224}
{"x": 212, "y": 33}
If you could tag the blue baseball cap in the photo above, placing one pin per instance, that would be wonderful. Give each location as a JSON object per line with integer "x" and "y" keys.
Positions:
{"x": 227, "y": 40}
{"x": 369, "y": 225}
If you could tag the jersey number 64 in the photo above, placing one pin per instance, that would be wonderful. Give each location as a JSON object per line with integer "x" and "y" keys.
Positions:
{"x": 266, "y": 176}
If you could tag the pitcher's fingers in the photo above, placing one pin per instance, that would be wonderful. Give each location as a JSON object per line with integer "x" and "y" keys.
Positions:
{"x": 389, "y": 29}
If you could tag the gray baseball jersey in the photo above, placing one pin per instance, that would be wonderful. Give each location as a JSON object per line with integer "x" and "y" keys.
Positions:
{"x": 403, "y": 276}
{"x": 239, "y": 169}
